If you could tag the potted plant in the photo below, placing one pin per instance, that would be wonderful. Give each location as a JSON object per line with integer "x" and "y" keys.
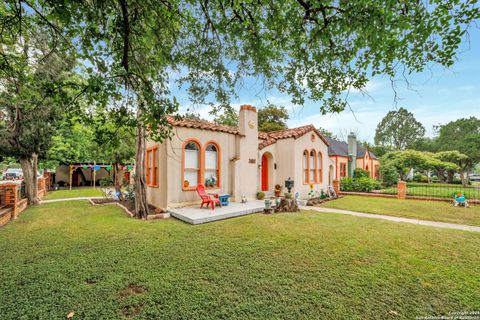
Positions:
{"x": 260, "y": 195}
{"x": 278, "y": 190}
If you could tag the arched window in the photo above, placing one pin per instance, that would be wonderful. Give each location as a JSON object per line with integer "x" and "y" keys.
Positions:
{"x": 320, "y": 167}
{"x": 313, "y": 167}
{"x": 305, "y": 166}
{"x": 191, "y": 164}
{"x": 212, "y": 165}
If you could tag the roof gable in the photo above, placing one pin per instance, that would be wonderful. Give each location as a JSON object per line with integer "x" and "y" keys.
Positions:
{"x": 340, "y": 148}
{"x": 270, "y": 138}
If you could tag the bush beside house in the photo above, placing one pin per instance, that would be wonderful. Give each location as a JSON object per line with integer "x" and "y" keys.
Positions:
{"x": 362, "y": 184}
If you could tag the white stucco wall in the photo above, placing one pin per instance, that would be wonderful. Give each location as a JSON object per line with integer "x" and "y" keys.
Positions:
{"x": 299, "y": 146}
{"x": 169, "y": 192}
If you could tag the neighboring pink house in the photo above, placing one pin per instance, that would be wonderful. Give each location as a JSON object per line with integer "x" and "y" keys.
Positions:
{"x": 239, "y": 161}
{"x": 343, "y": 153}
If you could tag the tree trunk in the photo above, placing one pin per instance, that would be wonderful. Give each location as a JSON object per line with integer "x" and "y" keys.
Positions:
{"x": 450, "y": 176}
{"x": 117, "y": 180}
{"x": 464, "y": 178}
{"x": 441, "y": 175}
{"x": 141, "y": 205}
{"x": 287, "y": 205}
{"x": 29, "y": 168}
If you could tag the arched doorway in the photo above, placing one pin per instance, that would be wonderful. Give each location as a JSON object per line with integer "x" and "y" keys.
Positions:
{"x": 264, "y": 172}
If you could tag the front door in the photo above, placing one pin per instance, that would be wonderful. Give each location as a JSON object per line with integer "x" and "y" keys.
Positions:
{"x": 75, "y": 178}
{"x": 264, "y": 173}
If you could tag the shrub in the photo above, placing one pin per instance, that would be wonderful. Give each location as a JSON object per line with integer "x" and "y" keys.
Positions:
{"x": 363, "y": 184}
{"x": 105, "y": 182}
{"x": 260, "y": 195}
{"x": 346, "y": 184}
{"x": 360, "y": 173}
{"x": 130, "y": 192}
{"x": 418, "y": 177}
{"x": 389, "y": 174}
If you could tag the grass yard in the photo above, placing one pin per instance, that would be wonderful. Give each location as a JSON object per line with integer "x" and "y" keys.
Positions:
{"x": 94, "y": 261}
{"x": 417, "y": 209}
{"x": 74, "y": 193}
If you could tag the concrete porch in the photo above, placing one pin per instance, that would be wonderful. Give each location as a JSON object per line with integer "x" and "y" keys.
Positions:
{"x": 195, "y": 215}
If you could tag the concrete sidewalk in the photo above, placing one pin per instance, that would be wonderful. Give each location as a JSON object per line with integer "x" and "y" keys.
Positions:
{"x": 69, "y": 199}
{"x": 397, "y": 219}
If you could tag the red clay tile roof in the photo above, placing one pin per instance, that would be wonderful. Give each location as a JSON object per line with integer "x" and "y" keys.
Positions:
{"x": 201, "y": 124}
{"x": 267, "y": 137}
{"x": 272, "y": 137}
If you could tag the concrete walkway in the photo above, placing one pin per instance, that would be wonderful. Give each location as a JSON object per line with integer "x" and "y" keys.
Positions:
{"x": 69, "y": 199}
{"x": 397, "y": 219}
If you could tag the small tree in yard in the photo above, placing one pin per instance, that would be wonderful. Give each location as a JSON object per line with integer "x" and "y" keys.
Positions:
{"x": 405, "y": 161}
{"x": 132, "y": 49}
{"x": 461, "y": 163}
{"x": 389, "y": 173}
{"x": 116, "y": 139}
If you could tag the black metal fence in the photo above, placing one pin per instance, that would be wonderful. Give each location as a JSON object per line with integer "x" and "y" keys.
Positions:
{"x": 387, "y": 189}
{"x": 424, "y": 190}
{"x": 441, "y": 190}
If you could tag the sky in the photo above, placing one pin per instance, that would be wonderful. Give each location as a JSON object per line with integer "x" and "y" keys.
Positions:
{"x": 435, "y": 96}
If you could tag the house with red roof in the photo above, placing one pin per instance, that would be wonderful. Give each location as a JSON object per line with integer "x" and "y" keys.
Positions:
{"x": 239, "y": 161}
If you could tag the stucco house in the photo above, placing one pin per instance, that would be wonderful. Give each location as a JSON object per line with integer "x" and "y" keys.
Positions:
{"x": 239, "y": 161}
{"x": 349, "y": 156}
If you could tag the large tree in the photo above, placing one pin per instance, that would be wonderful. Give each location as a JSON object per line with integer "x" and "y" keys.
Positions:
{"x": 399, "y": 130}
{"x": 462, "y": 135}
{"x": 36, "y": 83}
{"x": 272, "y": 118}
{"x": 308, "y": 49}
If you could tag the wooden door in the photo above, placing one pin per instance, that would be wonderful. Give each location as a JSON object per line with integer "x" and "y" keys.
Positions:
{"x": 75, "y": 178}
{"x": 264, "y": 173}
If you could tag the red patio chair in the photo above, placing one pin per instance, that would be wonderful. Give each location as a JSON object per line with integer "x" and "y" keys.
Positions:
{"x": 207, "y": 198}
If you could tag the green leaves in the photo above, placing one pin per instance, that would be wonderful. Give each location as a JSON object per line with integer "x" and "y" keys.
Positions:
{"x": 399, "y": 130}
{"x": 307, "y": 49}
{"x": 272, "y": 118}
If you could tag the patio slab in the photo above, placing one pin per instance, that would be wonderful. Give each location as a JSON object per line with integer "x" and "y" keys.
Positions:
{"x": 195, "y": 215}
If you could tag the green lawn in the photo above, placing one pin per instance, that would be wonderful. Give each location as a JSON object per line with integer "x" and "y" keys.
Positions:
{"x": 98, "y": 263}
{"x": 74, "y": 193}
{"x": 418, "y": 209}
